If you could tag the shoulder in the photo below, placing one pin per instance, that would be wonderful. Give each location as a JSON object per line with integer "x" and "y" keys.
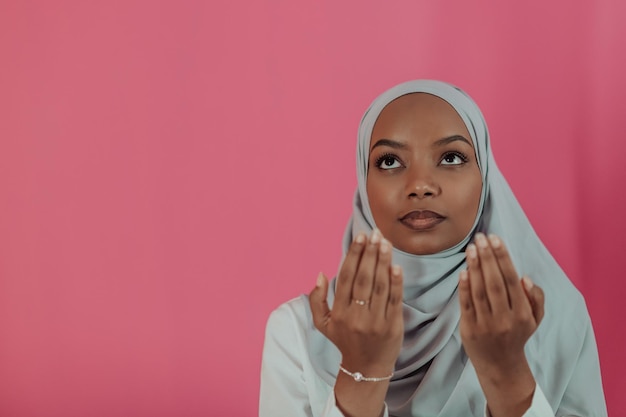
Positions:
{"x": 291, "y": 313}
{"x": 565, "y": 310}
{"x": 563, "y": 354}
{"x": 565, "y": 306}
{"x": 289, "y": 322}
{"x": 566, "y": 326}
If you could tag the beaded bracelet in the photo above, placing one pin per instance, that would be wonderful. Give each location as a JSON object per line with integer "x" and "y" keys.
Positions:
{"x": 358, "y": 377}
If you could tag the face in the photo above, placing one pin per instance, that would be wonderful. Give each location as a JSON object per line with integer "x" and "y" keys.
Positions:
{"x": 423, "y": 180}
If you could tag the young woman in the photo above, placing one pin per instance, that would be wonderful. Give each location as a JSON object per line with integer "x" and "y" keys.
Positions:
{"x": 429, "y": 315}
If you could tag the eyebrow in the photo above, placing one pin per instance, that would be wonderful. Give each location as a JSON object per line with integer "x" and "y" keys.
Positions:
{"x": 391, "y": 143}
{"x": 451, "y": 139}
{"x": 440, "y": 142}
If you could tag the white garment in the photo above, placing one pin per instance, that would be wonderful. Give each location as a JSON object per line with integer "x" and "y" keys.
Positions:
{"x": 291, "y": 387}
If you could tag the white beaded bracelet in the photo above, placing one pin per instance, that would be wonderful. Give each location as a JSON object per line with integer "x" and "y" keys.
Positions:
{"x": 358, "y": 377}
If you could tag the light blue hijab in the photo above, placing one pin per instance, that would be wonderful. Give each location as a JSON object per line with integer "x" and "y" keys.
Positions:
{"x": 433, "y": 375}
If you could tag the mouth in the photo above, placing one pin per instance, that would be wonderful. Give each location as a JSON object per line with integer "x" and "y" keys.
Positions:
{"x": 421, "y": 220}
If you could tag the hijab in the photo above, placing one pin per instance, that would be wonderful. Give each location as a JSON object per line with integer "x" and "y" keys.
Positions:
{"x": 433, "y": 376}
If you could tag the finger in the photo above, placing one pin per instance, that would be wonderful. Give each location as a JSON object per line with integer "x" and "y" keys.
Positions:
{"x": 394, "y": 305}
{"x": 536, "y": 298}
{"x": 364, "y": 279}
{"x": 465, "y": 297}
{"x": 477, "y": 285}
{"x": 380, "y": 292}
{"x": 345, "y": 279}
{"x": 319, "y": 303}
{"x": 509, "y": 274}
{"x": 494, "y": 282}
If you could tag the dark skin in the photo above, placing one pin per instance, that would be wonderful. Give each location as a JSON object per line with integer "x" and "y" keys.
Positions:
{"x": 422, "y": 159}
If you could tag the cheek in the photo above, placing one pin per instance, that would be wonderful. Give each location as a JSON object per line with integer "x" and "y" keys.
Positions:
{"x": 469, "y": 199}
{"x": 381, "y": 198}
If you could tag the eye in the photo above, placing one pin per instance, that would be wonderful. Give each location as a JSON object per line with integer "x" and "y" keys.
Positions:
{"x": 453, "y": 158}
{"x": 388, "y": 161}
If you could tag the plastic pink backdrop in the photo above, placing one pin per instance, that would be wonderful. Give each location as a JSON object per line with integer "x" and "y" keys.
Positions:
{"x": 172, "y": 171}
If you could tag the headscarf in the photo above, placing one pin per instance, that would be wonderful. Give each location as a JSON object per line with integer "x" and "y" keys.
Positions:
{"x": 433, "y": 376}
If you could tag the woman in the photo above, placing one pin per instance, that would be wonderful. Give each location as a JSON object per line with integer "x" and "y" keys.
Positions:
{"x": 428, "y": 315}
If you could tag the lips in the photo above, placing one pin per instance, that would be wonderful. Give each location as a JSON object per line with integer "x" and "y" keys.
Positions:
{"x": 420, "y": 220}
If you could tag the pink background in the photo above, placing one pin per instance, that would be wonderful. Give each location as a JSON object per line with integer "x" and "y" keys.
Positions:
{"x": 171, "y": 171}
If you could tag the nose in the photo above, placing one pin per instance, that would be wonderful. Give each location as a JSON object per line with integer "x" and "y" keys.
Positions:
{"x": 421, "y": 183}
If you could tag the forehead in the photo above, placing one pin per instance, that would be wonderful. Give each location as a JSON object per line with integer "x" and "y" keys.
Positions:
{"x": 419, "y": 114}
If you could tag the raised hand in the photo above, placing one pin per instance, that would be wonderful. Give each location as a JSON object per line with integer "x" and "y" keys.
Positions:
{"x": 365, "y": 322}
{"x": 498, "y": 316}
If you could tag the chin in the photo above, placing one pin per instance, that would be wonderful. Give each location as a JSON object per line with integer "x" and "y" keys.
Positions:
{"x": 420, "y": 250}
{"x": 423, "y": 245}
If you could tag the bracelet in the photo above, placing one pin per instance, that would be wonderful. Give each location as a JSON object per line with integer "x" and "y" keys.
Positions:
{"x": 358, "y": 377}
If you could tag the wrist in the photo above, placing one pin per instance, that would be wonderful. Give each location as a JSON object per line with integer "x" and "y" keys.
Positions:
{"x": 508, "y": 392}
{"x": 367, "y": 369}
{"x": 360, "y": 399}
{"x": 503, "y": 370}
{"x": 360, "y": 377}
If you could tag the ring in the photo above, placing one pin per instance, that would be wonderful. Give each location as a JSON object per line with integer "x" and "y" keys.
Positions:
{"x": 360, "y": 302}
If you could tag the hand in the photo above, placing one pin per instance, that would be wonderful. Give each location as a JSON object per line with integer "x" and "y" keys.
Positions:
{"x": 365, "y": 322}
{"x": 498, "y": 316}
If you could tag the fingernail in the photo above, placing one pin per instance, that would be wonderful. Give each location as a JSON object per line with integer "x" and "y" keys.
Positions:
{"x": 360, "y": 238}
{"x": 481, "y": 241}
{"x": 528, "y": 283}
{"x": 470, "y": 252}
{"x": 495, "y": 241}
{"x": 376, "y": 236}
{"x": 320, "y": 280}
{"x": 384, "y": 246}
{"x": 395, "y": 270}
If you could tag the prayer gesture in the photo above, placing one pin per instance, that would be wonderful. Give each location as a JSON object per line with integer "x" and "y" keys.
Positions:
{"x": 365, "y": 322}
{"x": 498, "y": 316}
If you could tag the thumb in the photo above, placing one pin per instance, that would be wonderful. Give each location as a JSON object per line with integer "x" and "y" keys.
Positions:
{"x": 535, "y": 298}
{"x": 318, "y": 303}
